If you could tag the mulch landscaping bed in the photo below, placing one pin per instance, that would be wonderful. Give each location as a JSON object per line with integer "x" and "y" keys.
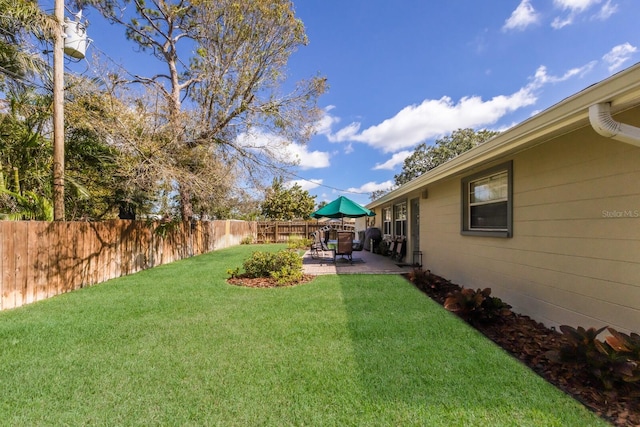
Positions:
{"x": 265, "y": 282}
{"x": 529, "y": 341}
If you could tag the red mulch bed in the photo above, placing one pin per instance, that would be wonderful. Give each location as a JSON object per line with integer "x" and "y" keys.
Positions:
{"x": 529, "y": 341}
{"x": 265, "y": 282}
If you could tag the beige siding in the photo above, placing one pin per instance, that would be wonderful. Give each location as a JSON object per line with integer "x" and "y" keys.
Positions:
{"x": 574, "y": 257}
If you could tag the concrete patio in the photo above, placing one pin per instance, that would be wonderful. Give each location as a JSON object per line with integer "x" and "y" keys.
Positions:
{"x": 364, "y": 262}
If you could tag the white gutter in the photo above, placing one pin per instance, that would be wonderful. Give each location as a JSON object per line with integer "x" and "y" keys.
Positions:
{"x": 603, "y": 123}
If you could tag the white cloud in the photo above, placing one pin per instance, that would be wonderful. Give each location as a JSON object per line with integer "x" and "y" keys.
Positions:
{"x": 620, "y": 54}
{"x": 348, "y": 149}
{"x": 558, "y": 22}
{"x": 370, "y": 187}
{"x": 573, "y": 9}
{"x": 305, "y": 184}
{"x": 541, "y": 77}
{"x": 578, "y": 6}
{"x": 395, "y": 160}
{"x": 432, "y": 118}
{"x": 437, "y": 117}
{"x": 606, "y": 11}
{"x": 308, "y": 159}
{"x": 345, "y": 133}
{"x": 283, "y": 151}
{"x": 523, "y": 16}
{"x": 326, "y": 122}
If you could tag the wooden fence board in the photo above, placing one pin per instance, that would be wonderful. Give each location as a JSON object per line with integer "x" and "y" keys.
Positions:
{"x": 39, "y": 259}
{"x": 20, "y": 247}
{"x": 3, "y": 226}
{"x": 281, "y": 232}
{"x": 84, "y": 253}
{"x": 8, "y": 267}
{"x": 32, "y": 250}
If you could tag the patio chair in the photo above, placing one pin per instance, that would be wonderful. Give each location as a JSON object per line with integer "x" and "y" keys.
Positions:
{"x": 400, "y": 249}
{"x": 358, "y": 244}
{"x": 318, "y": 245}
{"x": 391, "y": 249}
{"x": 345, "y": 245}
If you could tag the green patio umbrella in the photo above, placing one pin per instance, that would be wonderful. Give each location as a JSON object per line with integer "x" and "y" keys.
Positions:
{"x": 342, "y": 207}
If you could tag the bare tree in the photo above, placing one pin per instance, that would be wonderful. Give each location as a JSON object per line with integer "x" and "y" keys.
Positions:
{"x": 222, "y": 86}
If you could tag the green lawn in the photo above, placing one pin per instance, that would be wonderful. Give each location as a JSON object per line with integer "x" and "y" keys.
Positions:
{"x": 176, "y": 345}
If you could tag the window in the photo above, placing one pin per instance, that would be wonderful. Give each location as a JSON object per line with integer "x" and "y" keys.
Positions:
{"x": 400, "y": 216}
{"x": 386, "y": 221}
{"x": 487, "y": 202}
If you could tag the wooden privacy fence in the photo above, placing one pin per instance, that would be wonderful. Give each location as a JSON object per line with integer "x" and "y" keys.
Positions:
{"x": 41, "y": 259}
{"x": 280, "y": 232}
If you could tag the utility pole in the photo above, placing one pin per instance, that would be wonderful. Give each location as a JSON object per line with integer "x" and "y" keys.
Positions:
{"x": 58, "y": 114}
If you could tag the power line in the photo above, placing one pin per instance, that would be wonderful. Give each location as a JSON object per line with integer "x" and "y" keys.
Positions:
{"x": 328, "y": 186}
{"x": 21, "y": 79}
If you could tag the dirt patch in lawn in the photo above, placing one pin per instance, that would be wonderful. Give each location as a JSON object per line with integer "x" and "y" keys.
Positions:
{"x": 529, "y": 341}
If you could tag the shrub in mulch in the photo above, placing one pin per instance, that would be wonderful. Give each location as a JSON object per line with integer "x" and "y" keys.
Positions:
{"x": 538, "y": 347}
{"x": 269, "y": 270}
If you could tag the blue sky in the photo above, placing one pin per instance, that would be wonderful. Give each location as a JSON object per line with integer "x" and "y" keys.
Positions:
{"x": 404, "y": 72}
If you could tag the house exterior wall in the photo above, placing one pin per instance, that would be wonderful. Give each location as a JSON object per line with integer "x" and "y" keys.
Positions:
{"x": 574, "y": 257}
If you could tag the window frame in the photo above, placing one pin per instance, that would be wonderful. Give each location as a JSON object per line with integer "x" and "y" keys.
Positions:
{"x": 465, "y": 227}
{"x": 398, "y": 220}
{"x": 387, "y": 220}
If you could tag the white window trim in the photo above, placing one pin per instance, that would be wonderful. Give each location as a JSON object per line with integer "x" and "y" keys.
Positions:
{"x": 400, "y": 207}
{"x": 387, "y": 220}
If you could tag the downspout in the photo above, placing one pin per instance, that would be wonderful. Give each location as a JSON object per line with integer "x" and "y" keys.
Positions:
{"x": 603, "y": 123}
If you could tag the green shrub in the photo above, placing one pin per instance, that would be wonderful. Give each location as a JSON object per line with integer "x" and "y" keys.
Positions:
{"x": 247, "y": 240}
{"x": 234, "y": 273}
{"x": 283, "y": 266}
{"x": 297, "y": 242}
{"x": 476, "y": 305}
{"x": 259, "y": 265}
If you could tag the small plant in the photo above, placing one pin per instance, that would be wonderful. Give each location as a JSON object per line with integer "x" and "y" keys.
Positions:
{"x": 247, "y": 240}
{"x": 297, "y": 242}
{"x": 234, "y": 273}
{"x": 580, "y": 344}
{"x": 422, "y": 279}
{"x": 615, "y": 360}
{"x": 476, "y": 305}
{"x": 287, "y": 275}
{"x": 627, "y": 346}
